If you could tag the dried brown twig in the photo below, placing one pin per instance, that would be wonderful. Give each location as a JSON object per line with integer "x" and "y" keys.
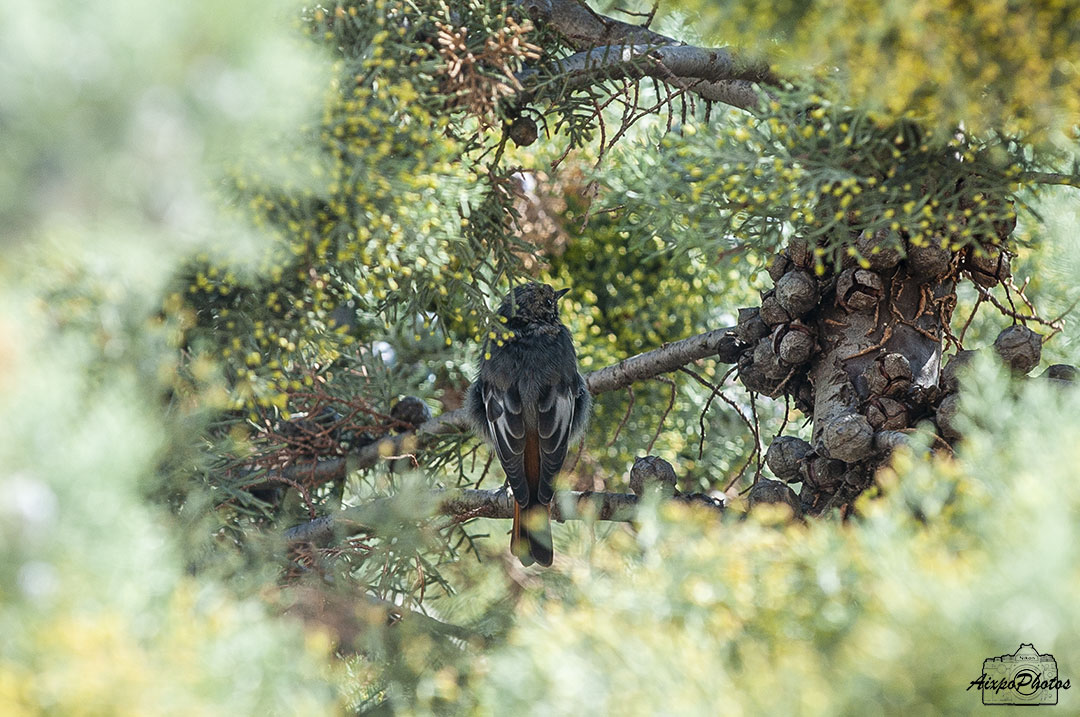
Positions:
{"x": 667, "y": 411}
{"x": 626, "y": 417}
{"x": 478, "y": 81}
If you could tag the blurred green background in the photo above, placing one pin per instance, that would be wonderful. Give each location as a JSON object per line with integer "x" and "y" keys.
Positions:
{"x": 200, "y": 222}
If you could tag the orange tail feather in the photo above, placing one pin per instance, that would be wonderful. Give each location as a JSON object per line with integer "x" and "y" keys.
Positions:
{"x": 530, "y": 537}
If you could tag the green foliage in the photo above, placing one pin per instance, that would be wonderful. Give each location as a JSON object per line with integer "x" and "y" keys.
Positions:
{"x": 97, "y": 612}
{"x": 809, "y": 168}
{"x": 992, "y": 65}
{"x": 371, "y": 222}
{"x": 960, "y": 560}
{"x": 105, "y": 111}
{"x": 629, "y": 296}
{"x": 164, "y": 361}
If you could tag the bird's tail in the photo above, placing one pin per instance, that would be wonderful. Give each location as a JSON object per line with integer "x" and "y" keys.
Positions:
{"x": 530, "y": 538}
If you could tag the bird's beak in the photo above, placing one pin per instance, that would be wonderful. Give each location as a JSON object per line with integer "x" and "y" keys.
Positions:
{"x": 560, "y": 293}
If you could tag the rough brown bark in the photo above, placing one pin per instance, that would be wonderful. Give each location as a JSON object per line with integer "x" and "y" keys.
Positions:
{"x": 910, "y": 320}
{"x": 610, "y": 48}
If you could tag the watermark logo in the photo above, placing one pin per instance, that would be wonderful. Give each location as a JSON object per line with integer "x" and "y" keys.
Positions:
{"x": 1022, "y": 678}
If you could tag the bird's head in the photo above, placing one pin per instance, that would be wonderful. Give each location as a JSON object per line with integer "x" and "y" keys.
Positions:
{"x": 532, "y": 303}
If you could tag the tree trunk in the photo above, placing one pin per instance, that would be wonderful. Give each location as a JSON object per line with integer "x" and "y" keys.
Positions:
{"x": 860, "y": 351}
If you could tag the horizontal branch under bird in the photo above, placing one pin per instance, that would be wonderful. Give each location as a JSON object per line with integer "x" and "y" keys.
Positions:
{"x": 467, "y": 504}
{"x": 718, "y": 343}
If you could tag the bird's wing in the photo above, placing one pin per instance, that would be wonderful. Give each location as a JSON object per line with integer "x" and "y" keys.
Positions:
{"x": 556, "y": 419}
{"x": 506, "y": 425}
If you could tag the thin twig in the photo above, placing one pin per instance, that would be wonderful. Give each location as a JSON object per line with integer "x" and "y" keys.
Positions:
{"x": 577, "y": 456}
{"x": 701, "y": 419}
{"x": 483, "y": 473}
{"x": 626, "y": 417}
{"x": 671, "y": 404}
{"x": 1022, "y": 318}
{"x": 750, "y": 426}
{"x": 647, "y": 15}
{"x": 1059, "y": 322}
{"x": 757, "y": 433}
{"x": 971, "y": 316}
{"x": 1071, "y": 180}
{"x": 787, "y": 410}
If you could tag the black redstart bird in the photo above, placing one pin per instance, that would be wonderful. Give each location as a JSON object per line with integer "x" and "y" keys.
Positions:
{"x": 530, "y": 402}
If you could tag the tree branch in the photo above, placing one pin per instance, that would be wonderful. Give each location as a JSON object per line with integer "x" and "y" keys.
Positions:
{"x": 581, "y": 28}
{"x": 465, "y": 505}
{"x": 712, "y": 74}
{"x": 1068, "y": 180}
{"x": 611, "y": 49}
{"x": 719, "y": 343}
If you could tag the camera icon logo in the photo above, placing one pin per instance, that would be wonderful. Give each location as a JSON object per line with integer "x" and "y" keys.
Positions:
{"x": 1022, "y": 678}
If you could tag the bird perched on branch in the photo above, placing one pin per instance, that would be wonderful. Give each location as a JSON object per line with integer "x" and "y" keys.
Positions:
{"x": 530, "y": 402}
